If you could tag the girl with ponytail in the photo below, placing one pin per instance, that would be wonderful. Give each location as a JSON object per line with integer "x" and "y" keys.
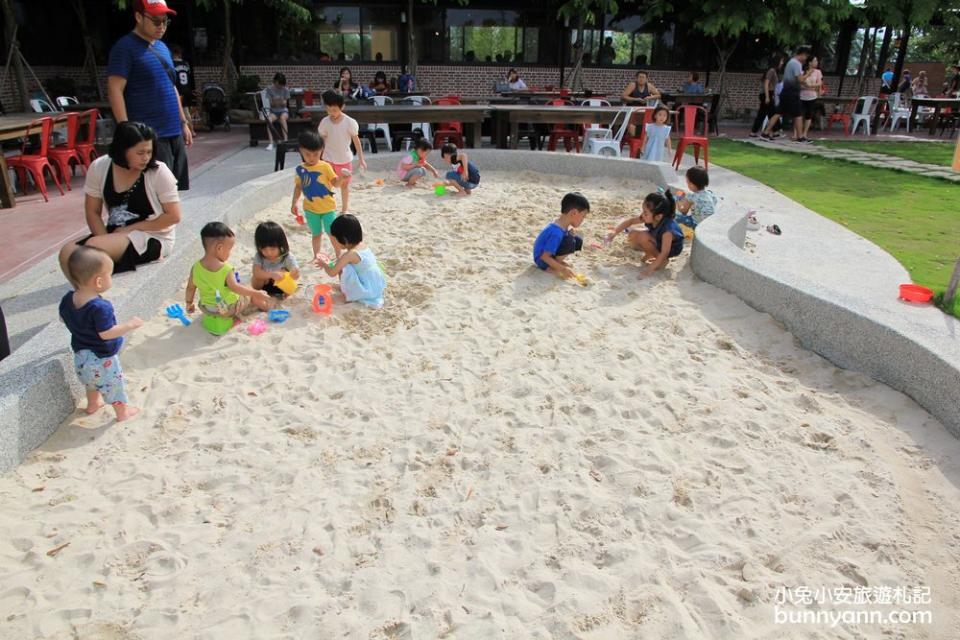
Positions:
{"x": 660, "y": 238}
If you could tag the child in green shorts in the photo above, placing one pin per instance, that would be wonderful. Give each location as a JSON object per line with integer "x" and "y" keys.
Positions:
{"x": 316, "y": 180}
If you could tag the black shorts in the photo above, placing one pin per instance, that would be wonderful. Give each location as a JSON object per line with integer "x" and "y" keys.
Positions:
{"x": 809, "y": 108}
{"x": 569, "y": 244}
{"x": 272, "y": 290}
{"x": 130, "y": 259}
{"x": 790, "y": 103}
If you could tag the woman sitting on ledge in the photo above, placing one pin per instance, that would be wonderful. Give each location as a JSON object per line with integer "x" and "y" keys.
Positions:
{"x": 141, "y": 199}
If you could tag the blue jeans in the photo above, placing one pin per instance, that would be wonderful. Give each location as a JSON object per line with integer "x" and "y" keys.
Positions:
{"x": 457, "y": 177}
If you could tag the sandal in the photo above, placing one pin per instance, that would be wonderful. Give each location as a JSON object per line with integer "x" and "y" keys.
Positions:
{"x": 774, "y": 229}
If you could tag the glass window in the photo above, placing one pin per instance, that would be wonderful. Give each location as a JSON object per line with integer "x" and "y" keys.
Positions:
{"x": 428, "y": 27}
{"x": 624, "y": 42}
{"x": 338, "y": 32}
{"x": 380, "y": 37}
{"x": 485, "y": 35}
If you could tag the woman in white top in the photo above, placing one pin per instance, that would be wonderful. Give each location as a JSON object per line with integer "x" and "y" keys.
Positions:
{"x": 515, "y": 81}
{"x": 810, "y": 84}
{"x": 141, "y": 199}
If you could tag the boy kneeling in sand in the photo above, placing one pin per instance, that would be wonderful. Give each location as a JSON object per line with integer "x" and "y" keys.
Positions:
{"x": 557, "y": 240}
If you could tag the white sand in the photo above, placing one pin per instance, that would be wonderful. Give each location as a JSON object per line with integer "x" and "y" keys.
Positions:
{"x": 496, "y": 454}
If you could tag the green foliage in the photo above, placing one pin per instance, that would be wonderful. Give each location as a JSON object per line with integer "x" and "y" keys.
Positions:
{"x": 788, "y": 22}
{"x": 295, "y": 9}
{"x": 573, "y": 9}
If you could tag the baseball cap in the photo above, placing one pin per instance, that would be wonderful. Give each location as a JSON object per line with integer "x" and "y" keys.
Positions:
{"x": 153, "y": 7}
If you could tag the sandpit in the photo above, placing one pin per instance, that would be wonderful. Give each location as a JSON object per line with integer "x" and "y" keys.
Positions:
{"x": 495, "y": 454}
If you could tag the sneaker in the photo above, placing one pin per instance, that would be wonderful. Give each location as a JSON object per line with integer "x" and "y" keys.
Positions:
{"x": 270, "y": 147}
{"x": 766, "y": 136}
{"x": 806, "y": 141}
{"x": 754, "y": 134}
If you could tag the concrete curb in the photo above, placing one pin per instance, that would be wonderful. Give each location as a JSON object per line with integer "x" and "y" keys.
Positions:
{"x": 913, "y": 355}
{"x": 38, "y": 388}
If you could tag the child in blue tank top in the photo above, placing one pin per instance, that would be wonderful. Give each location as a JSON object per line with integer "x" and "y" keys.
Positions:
{"x": 661, "y": 239}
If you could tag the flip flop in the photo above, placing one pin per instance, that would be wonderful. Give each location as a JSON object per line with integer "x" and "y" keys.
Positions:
{"x": 774, "y": 229}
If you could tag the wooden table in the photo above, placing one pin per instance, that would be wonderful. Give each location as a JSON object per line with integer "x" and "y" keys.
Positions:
{"x": 513, "y": 115}
{"x": 937, "y": 104}
{"x": 471, "y": 115}
{"x": 14, "y": 126}
{"x": 102, "y": 107}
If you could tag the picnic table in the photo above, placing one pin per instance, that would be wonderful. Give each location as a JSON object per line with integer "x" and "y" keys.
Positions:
{"x": 471, "y": 115}
{"x": 13, "y": 126}
{"x": 937, "y": 103}
{"x": 510, "y": 116}
{"x": 103, "y": 107}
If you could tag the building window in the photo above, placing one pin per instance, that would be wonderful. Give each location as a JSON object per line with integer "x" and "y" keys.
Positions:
{"x": 480, "y": 35}
{"x": 380, "y": 34}
{"x": 355, "y": 34}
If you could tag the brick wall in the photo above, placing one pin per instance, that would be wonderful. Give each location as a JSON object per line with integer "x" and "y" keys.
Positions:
{"x": 474, "y": 81}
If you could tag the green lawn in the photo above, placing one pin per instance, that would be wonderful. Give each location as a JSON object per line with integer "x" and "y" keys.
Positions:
{"x": 940, "y": 153}
{"x": 912, "y": 217}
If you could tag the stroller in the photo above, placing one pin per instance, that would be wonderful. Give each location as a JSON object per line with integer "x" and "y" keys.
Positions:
{"x": 213, "y": 105}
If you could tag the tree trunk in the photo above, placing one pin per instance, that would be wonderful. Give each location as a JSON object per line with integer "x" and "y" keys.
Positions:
{"x": 11, "y": 24}
{"x": 89, "y": 54}
{"x": 862, "y": 67}
{"x": 951, "y": 292}
{"x": 901, "y": 55}
{"x": 576, "y": 76}
{"x": 228, "y": 74}
{"x": 723, "y": 57}
{"x": 411, "y": 41}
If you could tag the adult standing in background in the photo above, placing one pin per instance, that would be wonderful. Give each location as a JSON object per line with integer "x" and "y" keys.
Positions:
{"x": 809, "y": 92}
{"x": 768, "y": 85}
{"x": 141, "y": 83}
{"x": 186, "y": 86}
{"x": 790, "y": 108}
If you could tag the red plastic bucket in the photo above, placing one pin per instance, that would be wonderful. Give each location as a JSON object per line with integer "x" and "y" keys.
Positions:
{"x": 915, "y": 293}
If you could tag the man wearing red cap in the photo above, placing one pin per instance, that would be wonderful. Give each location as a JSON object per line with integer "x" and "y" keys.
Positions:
{"x": 141, "y": 84}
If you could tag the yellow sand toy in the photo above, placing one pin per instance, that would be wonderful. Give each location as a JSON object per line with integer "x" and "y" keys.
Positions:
{"x": 286, "y": 284}
{"x": 581, "y": 279}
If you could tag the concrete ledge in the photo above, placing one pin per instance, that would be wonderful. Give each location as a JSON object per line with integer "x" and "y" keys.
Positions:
{"x": 914, "y": 350}
{"x": 38, "y": 389}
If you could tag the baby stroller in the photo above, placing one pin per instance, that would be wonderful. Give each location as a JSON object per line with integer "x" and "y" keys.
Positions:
{"x": 213, "y": 106}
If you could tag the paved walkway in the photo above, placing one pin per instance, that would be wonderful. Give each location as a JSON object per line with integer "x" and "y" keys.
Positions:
{"x": 880, "y": 160}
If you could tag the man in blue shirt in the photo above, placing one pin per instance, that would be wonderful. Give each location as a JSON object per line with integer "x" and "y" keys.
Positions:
{"x": 142, "y": 87}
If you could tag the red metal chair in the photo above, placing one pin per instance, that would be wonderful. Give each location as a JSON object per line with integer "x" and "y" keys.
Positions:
{"x": 35, "y": 163}
{"x": 691, "y": 113}
{"x": 86, "y": 148}
{"x": 61, "y": 155}
{"x": 559, "y": 132}
{"x": 636, "y": 142}
{"x": 448, "y": 131}
{"x": 843, "y": 117}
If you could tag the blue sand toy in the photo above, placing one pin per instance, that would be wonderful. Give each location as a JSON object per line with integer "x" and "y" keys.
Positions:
{"x": 176, "y": 312}
{"x": 278, "y": 315}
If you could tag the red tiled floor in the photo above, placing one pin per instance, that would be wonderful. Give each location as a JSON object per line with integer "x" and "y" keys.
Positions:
{"x": 35, "y": 229}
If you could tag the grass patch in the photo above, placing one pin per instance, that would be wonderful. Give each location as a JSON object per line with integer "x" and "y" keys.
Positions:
{"x": 939, "y": 153}
{"x": 911, "y": 217}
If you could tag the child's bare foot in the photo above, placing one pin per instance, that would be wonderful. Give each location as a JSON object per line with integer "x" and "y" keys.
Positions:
{"x": 93, "y": 407}
{"x": 125, "y": 412}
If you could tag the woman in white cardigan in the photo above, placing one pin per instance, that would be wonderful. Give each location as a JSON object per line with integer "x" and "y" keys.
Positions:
{"x": 140, "y": 197}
